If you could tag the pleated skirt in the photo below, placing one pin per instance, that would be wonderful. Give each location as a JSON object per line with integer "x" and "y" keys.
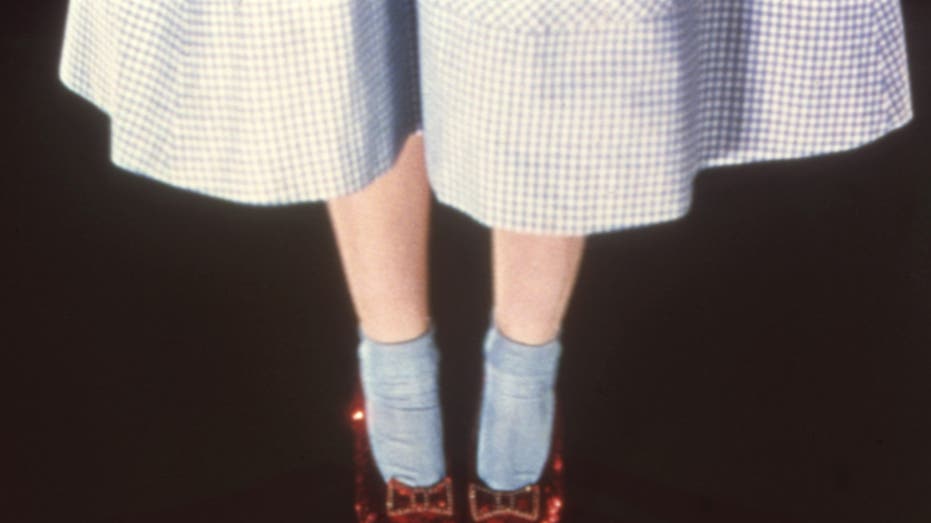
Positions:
{"x": 543, "y": 116}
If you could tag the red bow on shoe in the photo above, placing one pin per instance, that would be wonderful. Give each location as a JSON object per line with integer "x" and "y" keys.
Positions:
{"x": 403, "y": 499}
{"x": 522, "y": 503}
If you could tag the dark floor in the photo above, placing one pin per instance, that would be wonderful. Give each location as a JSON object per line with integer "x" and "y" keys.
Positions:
{"x": 176, "y": 358}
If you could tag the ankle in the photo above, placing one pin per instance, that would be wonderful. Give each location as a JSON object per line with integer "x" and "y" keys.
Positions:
{"x": 513, "y": 360}
{"x": 390, "y": 331}
{"x": 526, "y": 330}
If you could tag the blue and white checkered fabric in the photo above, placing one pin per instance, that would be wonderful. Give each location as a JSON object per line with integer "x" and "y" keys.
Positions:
{"x": 546, "y": 116}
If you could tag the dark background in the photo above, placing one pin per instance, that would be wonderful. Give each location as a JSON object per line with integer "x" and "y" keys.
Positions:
{"x": 178, "y": 358}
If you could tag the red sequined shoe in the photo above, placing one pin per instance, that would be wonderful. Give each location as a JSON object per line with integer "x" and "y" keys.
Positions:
{"x": 394, "y": 502}
{"x": 541, "y": 502}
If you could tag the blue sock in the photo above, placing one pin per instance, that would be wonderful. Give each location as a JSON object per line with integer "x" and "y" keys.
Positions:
{"x": 518, "y": 404}
{"x": 402, "y": 408}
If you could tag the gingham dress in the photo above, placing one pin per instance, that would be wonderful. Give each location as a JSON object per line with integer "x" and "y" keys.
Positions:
{"x": 546, "y": 116}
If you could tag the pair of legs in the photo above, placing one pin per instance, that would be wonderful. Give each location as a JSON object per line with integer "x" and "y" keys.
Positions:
{"x": 382, "y": 235}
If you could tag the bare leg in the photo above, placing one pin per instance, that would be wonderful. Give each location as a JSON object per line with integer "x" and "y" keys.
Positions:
{"x": 533, "y": 280}
{"x": 382, "y": 234}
